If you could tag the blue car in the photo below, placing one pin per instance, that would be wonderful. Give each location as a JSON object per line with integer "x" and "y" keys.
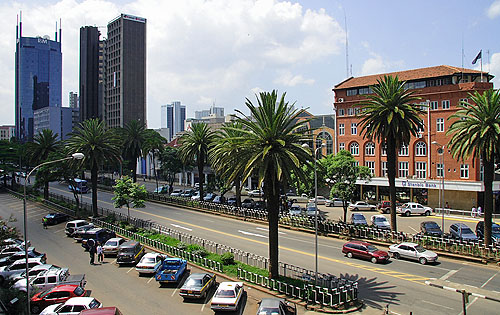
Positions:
{"x": 80, "y": 186}
{"x": 462, "y": 232}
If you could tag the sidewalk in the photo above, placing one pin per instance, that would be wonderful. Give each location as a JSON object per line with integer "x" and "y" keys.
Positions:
{"x": 365, "y": 310}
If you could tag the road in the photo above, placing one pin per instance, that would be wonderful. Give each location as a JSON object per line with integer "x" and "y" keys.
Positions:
{"x": 399, "y": 283}
{"x": 110, "y": 284}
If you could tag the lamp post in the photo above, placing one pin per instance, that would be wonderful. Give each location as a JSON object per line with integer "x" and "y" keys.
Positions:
{"x": 441, "y": 158}
{"x": 76, "y": 156}
{"x": 305, "y": 145}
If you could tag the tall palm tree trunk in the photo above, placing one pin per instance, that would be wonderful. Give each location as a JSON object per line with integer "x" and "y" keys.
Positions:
{"x": 237, "y": 187}
{"x": 133, "y": 168}
{"x": 154, "y": 170}
{"x": 391, "y": 175}
{"x": 489, "y": 171}
{"x": 93, "y": 179}
{"x": 201, "y": 176}
{"x": 46, "y": 190}
{"x": 273, "y": 202}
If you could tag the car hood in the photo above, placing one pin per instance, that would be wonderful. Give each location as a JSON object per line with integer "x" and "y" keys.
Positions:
{"x": 3, "y": 268}
{"x": 380, "y": 253}
{"x": 428, "y": 253}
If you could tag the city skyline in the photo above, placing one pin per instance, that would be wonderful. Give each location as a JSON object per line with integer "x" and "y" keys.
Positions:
{"x": 206, "y": 52}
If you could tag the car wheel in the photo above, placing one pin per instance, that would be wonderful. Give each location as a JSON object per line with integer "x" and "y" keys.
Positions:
{"x": 407, "y": 213}
{"x": 35, "y": 309}
{"x": 355, "y": 209}
{"x": 372, "y": 209}
{"x": 396, "y": 255}
{"x": 427, "y": 213}
{"x": 374, "y": 260}
{"x": 422, "y": 260}
{"x": 349, "y": 255}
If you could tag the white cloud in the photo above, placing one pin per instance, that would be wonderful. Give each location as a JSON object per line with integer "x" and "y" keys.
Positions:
{"x": 494, "y": 67}
{"x": 198, "y": 50}
{"x": 494, "y": 10}
{"x": 288, "y": 79}
{"x": 374, "y": 65}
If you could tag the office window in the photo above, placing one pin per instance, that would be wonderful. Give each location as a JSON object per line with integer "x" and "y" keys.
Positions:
{"x": 364, "y": 91}
{"x": 464, "y": 170}
{"x": 403, "y": 151}
{"x": 420, "y": 149}
{"x": 420, "y": 169}
{"x": 383, "y": 149}
{"x": 350, "y": 111}
{"x": 440, "y": 124}
{"x": 354, "y": 148}
{"x": 370, "y": 149}
{"x": 352, "y": 92}
{"x": 341, "y": 112}
{"x": 341, "y": 129}
{"x": 464, "y": 101}
{"x": 355, "y": 163}
{"x": 445, "y": 104}
{"x": 371, "y": 166}
{"x": 439, "y": 170}
{"x": 354, "y": 129}
{"x": 403, "y": 169}
{"x": 434, "y": 105}
{"x": 341, "y": 146}
{"x": 383, "y": 167}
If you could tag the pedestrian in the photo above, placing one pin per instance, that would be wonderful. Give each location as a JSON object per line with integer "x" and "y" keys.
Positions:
{"x": 479, "y": 211}
{"x": 100, "y": 253}
{"x": 473, "y": 212}
{"x": 44, "y": 222}
{"x": 447, "y": 206}
{"x": 92, "y": 254}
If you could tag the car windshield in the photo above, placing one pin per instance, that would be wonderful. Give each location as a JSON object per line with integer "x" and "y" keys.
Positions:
{"x": 269, "y": 311}
{"x": 194, "y": 282}
{"x": 127, "y": 250}
{"x": 371, "y": 248}
{"x": 420, "y": 249}
{"x": 358, "y": 216}
{"x": 495, "y": 229}
{"x": 79, "y": 291}
{"x": 225, "y": 294}
{"x": 148, "y": 260}
{"x": 112, "y": 243}
{"x": 380, "y": 219}
{"x": 467, "y": 230}
{"x": 94, "y": 304}
{"x": 432, "y": 226}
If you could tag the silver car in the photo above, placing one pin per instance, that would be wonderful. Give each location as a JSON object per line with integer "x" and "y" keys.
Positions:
{"x": 412, "y": 251}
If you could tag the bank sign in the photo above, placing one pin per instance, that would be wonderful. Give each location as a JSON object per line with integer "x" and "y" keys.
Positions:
{"x": 412, "y": 184}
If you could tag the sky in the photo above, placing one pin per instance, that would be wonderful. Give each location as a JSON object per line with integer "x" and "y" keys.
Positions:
{"x": 224, "y": 51}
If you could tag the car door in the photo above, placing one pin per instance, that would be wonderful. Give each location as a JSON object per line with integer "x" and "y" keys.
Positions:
{"x": 363, "y": 252}
{"x": 412, "y": 253}
{"x": 403, "y": 251}
{"x": 419, "y": 209}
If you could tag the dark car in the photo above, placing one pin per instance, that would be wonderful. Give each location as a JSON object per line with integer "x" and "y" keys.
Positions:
{"x": 80, "y": 232}
{"x": 248, "y": 203}
{"x": 311, "y": 211}
{"x": 276, "y": 307}
{"x": 97, "y": 235}
{"x": 495, "y": 231}
{"x": 32, "y": 253}
{"x": 198, "y": 285}
{"x": 219, "y": 199}
{"x": 56, "y": 218}
{"x": 188, "y": 193}
{"x": 56, "y": 295}
{"x": 358, "y": 219}
{"x": 462, "y": 232}
{"x": 365, "y": 250}
{"x": 130, "y": 252}
{"x": 260, "y": 205}
{"x": 430, "y": 228}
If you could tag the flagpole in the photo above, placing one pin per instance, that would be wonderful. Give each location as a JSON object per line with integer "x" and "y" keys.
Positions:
{"x": 481, "y": 65}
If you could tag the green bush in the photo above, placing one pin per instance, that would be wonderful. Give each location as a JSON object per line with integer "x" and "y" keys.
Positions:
{"x": 227, "y": 258}
{"x": 182, "y": 246}
{"x": 200, "y": 252}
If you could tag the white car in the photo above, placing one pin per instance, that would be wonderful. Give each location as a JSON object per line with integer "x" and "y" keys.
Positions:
{"x": 321, "y": 200}
{"x": 227, "y": 297}
{"x": 149, "y": 263}
{"x": 72, "y": 306}
{"x": 176, "y": 193}
{"x": 334, "y": 202}
{"x": 111, "y": 246}
{"x": 362, "y": 206}
{"x": 412, "y": 251}
{"x": 255, "y": 193}
{"x": 379, "y": 221}
{"x": 410, "y": 208}
{"x": 19, "y": 265}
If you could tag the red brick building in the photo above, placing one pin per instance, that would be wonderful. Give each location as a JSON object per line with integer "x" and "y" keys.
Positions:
{"x": 419, "y": 167}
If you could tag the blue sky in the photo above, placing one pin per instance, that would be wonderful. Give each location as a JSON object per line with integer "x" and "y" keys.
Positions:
{"x": 205, "y": 52}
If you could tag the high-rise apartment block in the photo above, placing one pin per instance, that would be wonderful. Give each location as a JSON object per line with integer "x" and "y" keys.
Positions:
{"x": 7, "y": 132}
{"x": 215, "y": 112}
{"x": 74, "y": 100}
{"x": 173, "y": 117}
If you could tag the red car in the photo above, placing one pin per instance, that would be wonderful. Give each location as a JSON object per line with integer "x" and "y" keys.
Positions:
{"x": 59, "y": 294}
{"x": 365, "y": 251}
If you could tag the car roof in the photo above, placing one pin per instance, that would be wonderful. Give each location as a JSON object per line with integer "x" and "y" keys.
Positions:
{"x": 379, "y": 216}
{"x": 114, "y": 239}
{"x": 359, "y": 243}
{"x": 408, "y": 244}
{"x": 199, "y": 275}
{"x": 129, "y": 244}
{"x": 229, "y": 285}
{"x": 152, "y": 255}
{"x": 29, "y": 260}
{"x": 64, "y": 287}
{"x": 460, "y": 225}
{"x": 270, "y": 302}
{"x": 77, "y": 221}
{"x": 81, "y": 300}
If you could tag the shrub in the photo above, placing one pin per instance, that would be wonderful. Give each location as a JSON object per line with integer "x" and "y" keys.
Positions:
{"x": 182, "y": 246}
{"x": 200, "y": 252}
{"x": 227, "y": 258}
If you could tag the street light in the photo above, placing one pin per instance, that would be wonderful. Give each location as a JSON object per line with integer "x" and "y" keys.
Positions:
{"x": 441, "y": 153}
{"x": 76, "y": 156}
{"x": 305, "y": 145}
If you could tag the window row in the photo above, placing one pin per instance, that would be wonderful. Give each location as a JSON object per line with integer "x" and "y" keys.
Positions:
{"x": 420, "y": 149}
{"x": 440, "y": 127}
{"x": 420, "y": 169}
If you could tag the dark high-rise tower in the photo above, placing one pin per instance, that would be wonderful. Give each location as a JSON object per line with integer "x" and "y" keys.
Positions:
{"x": 125, "y": 83}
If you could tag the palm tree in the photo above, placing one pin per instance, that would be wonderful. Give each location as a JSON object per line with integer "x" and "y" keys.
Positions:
{"x": 154, "y": 144}
{"x": 390, "y": 117}
{"x": 476, "y": 133}
{"x": 134, "y": 136}
{"x": 271, "y": 146}
{"x": 194, "y": 145}
{"x": 44, "y": 143}
{"x": 98, "y": 145}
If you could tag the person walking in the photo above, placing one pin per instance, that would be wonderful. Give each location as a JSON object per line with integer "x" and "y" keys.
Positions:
{"x": 91, "y": 247}
{"x": 473, "y": 212}
{"x": 44, "y": 222}
{"x": 479, "y": 211}
{"x": 100, "y": 253}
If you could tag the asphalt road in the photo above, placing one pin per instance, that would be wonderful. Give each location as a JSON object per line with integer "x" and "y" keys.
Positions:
{"x": 109, "y": 283}
{"x": 399, "y": 283}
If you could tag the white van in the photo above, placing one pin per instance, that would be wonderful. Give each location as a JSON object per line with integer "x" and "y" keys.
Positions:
{"x": 71, "y": 226}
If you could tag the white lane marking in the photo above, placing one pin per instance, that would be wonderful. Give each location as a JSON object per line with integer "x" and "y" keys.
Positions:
{"x": 267, "y": 230}
{"x": 60, "y": 230}
{"x": 437, "y": 304}
{"x": 181, "y": 227}
{"x": 211, "y": 221}
{"x": 252, "y": 234}
{"x": 132, "y": 268}
{"x": 413, "y": 229}
{"x": 151, "y": 279}
{"x": 202, "y": 307}
{"x": 173, "y": 293}
{"x": 489, "y": 280}
{"x": 449, "y": 274}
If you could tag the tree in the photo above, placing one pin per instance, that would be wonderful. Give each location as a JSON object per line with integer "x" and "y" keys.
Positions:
{"x": 127, "y": 192}
{"x": 154, "y": 144}
{"x": 390, "y": 117}
{"x": 171, "y": 164}
{"x": 342, "y": 173}
{"x": 98, "y": 145}
{"x": 271, "y": 147}
{"x": 44, "y": 143}
{"x": 476, "y": 133}
{"x": 305, "y": 186}
{"x": 133, "y": 136}
{"x": 194, "y": 146}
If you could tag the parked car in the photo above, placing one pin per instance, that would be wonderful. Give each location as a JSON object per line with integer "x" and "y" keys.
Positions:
{"x": 149, "y": 264}
{"x": 10, "y": 249}
{"x": 219, "y": 199}
{"x": 231, "y": 201}
{"x": 364, "y": 250}
{"x": 379, "y": 221}
{"x": 112, "y": 245}
{"x": 17, "y": 266}
{"x": 171, "y": 270}
{"x": 410, "y": 208}
{"x": 196, "y": 196}
{"x": 188, "y": 193}
{"x": 495, "y": 231}
{"x": 176, "y": 193}
{"x": 209, "y": 197}
{"x": 80, "y": 232}
{"x": 295, "y": 210}
{"x": 32, "y": 253}
{"x": 72, "y": 226}
{"x": 198, "y": 285}
{"x": 162, "y": 190}
{"x": 358, "y": 219}
{"x": 430, "y": 228}
{"x": 255, "y": 193}
{"x": 311, "y": 211}
{"x": 321, "y": 200}
{"x": 32, "y": 272}
{"x": 73, "y": 306}
{"x": 110, "y": 310}
{"x": 462, "y": 232}
{"x": 384, "y": 206}
{"x": 56, "y": 218}
{"x": 276, "y": 307}
{"x": 12, "y": 241}
{"x": 56, "y": 295}
{"x": 334, "y": 202}
{"x": 412, "y": 251}
{"x": 361, "y": 206}
{"x": 48, "y": 279}
{"x": 227, "y": 297}
{"x": 95, "y": 236}
{"x": 248, "y": 203}
{"x": 130, "y": 252}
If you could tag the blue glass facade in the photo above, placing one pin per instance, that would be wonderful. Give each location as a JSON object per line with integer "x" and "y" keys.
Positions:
{"x": 38, "y": 80}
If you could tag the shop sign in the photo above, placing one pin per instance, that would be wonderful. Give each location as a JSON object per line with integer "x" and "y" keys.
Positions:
{"x": 410, "y": 184}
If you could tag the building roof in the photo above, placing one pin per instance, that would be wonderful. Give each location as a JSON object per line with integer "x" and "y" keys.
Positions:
{"x": 407, "y": 75}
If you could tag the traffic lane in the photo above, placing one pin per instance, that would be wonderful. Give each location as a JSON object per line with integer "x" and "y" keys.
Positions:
{"x": 107, "y": 281}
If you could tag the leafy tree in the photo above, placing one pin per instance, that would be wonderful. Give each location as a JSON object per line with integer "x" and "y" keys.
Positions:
{"x": 476, "y": 133}
{"x": 194, "y": 146}
{"x": 154, "y": 144}
{"x": 133, "y": 136}
{"x": 390, "y": 117}
{"x": 171, "y": 164}
{"x": 129, "y": 193}
{"x": 271, "y": 147}
{"x": 9, "y": 158}
{"x": 342, "y": 172}
{"x": 98, "y": 145}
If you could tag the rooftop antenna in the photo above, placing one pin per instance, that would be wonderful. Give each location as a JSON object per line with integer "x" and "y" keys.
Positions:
{"x": 56, "y": 32}
{"x": 17, "y": 27}
{"x": 60, "y": 31}
{"x": 20, "y": 24}
{"x": 346, "y": 46}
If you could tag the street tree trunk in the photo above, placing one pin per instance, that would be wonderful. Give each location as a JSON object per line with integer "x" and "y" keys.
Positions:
{"x": 237, "y": 187}
{"x": 201, "y": 176}
{"x": 344, "y": 205}
{"x": 391, "y": 175}
{"x": 489, "y": 171}
{"x": 46, "y": 190}
{"x": 272, "y": 191}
